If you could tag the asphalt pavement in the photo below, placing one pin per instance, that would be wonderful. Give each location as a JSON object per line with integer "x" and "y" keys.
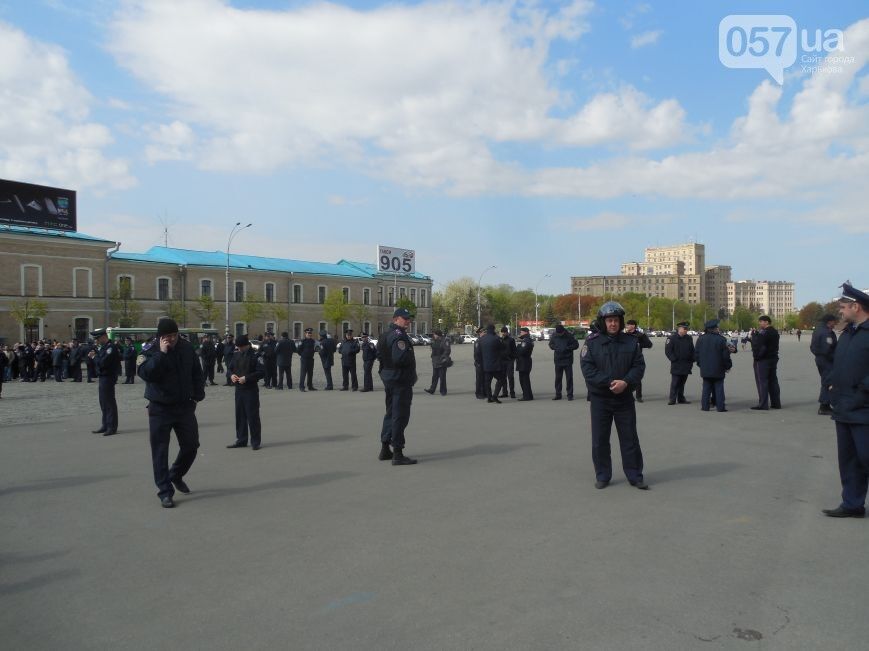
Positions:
{"x": 496, "y": 540}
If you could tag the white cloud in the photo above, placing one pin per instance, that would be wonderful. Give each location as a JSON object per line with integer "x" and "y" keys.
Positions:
{"x": 646, "y": 38}
{"x": 170, "y": 142}
{"x": 44, "y": 133}
{"x": 605, "y": 221}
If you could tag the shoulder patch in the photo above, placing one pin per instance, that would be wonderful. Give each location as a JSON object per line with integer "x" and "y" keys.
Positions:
{"x": 401, "y": 344}
{"x": 593, "y": 335}
{"x": 829, "y": 340}
{"x": 584, "y": 351}
{"x": 108, "y": 350}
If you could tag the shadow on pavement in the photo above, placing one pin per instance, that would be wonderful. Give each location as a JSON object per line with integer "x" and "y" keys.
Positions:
{"x": 334, "y": 438}
{"x": 475, "y": 450}
{"x": 61, "y": 482}
{"x": 691, "y": 472}
{"x": 289, "y": 482}
{"x": 37, "y": 582}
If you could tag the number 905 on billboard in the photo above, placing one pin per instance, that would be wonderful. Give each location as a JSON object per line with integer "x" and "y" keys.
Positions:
{"x": 391, "y": 260}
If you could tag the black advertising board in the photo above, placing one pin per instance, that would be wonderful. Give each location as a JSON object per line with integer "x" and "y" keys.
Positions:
{"x": 37, "y": 206}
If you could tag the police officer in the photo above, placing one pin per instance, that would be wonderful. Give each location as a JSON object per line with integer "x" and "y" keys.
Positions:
{"x": 349, "y": 350}
{"x": 245, "y": 370}
{"x": 228, "y": 352}
{"x": 129, "y": 356}
{"x": 564, "y": 343}
{"x": 441, "y": 360}
{"x": 645, "y": 342}
{"x": 270, "y": 362}
{"x": 307, "y": 347}
{"x": 849, "y": 393}
{"x": 524, "y": 350}
{"x": 508, "y": 363}
{"x": 75, "y": 356}
{"x": 491, "y": 350}
{"x": 107, "y": 365}
{"x": 175, "y": 383}
{"x": 823, "y": 347}
{"x": 612, "y": 364}
{"x": 284, "y": 351}
{"x": 208, "y": 355}
{"x": 328, "y": 346}
{"x": 764, "y": 348}
{"x": 679, "y": 349}
{"x": 479, "y": 374}
{"x": 398, "y": 373}
{"x": 369, "y": 355}
{"x": 712, "y": 355}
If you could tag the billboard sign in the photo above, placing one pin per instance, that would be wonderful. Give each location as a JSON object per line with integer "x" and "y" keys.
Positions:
{"x": 36, "y": 206}
{"x": 391, "y": 260}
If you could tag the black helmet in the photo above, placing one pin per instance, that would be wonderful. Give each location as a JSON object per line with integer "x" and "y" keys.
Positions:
{"x": 610, "y": 308}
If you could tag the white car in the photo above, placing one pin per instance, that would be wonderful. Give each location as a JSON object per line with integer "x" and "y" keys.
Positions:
{"x": 468, "y": 339}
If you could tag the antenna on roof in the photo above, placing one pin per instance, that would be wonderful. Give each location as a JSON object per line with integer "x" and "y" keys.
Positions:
{"x": 164, "y": 220}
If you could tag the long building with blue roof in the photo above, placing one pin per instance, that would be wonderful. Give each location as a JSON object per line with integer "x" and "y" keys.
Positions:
{"x": 69, "y": 273}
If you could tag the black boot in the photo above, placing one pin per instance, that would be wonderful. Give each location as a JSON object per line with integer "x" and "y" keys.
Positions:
{"x": 385, "y": 452}
{"x": 400, "y": 460}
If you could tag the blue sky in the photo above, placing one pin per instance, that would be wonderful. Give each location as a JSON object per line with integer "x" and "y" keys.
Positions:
{"x": 542, "y": 137}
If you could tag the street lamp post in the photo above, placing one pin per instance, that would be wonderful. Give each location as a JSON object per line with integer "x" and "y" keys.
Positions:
{"x": 648, "y": 313}
{"x": 235, "y": 231}
{"x": 673, "y": 328}
{"x": 479, "y": 282}
{"x": 536, "y": 302}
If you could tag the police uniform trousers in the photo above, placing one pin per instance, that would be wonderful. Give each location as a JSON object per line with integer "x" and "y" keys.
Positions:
{"x": 75, "y": 372}
{"x": 509, "y": 379}
{"x": 639, "y": 390}
{"x": 58, "y": 374}
{"x": 306, "y": 372}
{"x": 226, "y": 363}
{"x": 825, "y": 368}
{"x": 271, "y": 378}
{"x": 130, "y": 371}
{"x": 285, "y": 372}
{"x": 348, "y": 375}
{"x": 712, "y": 393}
{"x": 766, "y": 377}
{"x": 605, "y": 411}
{"x": 677, "y": 387}
{"x": 162, "y": 419}
{"x": 327, "y": 371}
{"x": 397, "y": 416}
{"x": 439, "y": 377}
{"x": 208, "y": 369}
{"x": 525, "y": 385}
{"x": 853, "y": 444}
{"x": 91, "y": 369}
{"x": 367, "y": 377}
{"x": 479, "y": 390}
{"x": 567, "y": 372}
{"x": 247, "y": 416}
{"x": 108, "y": 404}
{"x": 498, "y": 376}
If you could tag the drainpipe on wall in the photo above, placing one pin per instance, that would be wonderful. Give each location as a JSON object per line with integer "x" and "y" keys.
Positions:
{"x": 106, "y": 282}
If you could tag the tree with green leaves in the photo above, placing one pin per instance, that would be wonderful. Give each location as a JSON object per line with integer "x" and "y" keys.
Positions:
{"x": 361, "y": 313}
{"x": 176, "y": 311}
{"x": 206, "y": 310}
{"x": 126, "y": 312}
{"x": 252, "y": 308}
{"x": 27, "y": 313}
{"x": 280, "y": 313}
{"x": 336, "y": 309}
{"x": 456, "y": 303}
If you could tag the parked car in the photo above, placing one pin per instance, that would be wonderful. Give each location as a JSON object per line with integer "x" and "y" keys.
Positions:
{"x": 468, "y": 339}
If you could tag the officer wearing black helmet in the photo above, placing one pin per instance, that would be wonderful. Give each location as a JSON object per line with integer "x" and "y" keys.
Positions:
{"x": 612, "y": 364}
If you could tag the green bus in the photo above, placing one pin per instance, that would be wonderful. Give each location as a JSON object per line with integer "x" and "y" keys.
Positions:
{"x": 142, "y": 335}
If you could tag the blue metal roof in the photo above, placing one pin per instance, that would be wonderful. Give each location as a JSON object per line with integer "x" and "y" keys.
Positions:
{"x": 47, "y": 232}
{"x": 166, "y": 255}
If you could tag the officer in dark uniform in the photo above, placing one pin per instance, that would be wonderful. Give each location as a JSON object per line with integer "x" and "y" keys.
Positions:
{"x": 479, "y": 374}
{"x": 284, "y": 351}
{"x": 508, "y": 363}
{"x": 369, "y": 355}
{"x": 270, "y": 362}
{"x": 175, "y": 383}
{"x": 764, "y": 347}
{"x": 823, "y": 347}
{"x": 679, "y": 349}
{"x": 849, "y": 392}
{"x": 245, "y": 370}
{"x": 76, "y": 354}
{"x": 491, "y": 350}
{"x": 712, "y": 355}
{"x": 107, "y": 365}
{"x": 307, "y": 347}
{"x": 349, "y": 350}
{"x": 564, "y": 343}
{"x": 328, "y": 346}
{"x": 129, "y": 356}
{"x": 645, "y": 342}
{"x": 612, "y": 364}
{"x": 398, "y": 374}
{"x": 228, "y": 352}
{"x": 440, "y": 361}
{"x": 524, "y": 349}
{"x": 208, "y": 355}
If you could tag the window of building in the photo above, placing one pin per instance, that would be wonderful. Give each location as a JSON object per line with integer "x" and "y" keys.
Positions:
{"x": 205, "y": 326}
{"x": 402, "y": 292}
{"x": 423, "y": 327}
{"x": 270, "y": 292}
{"x": 240, "y": 329}
{"x": 366, "y": 327}
{"x": 366, "y": 296}
{"x": 239, "y": 291}
{"x": 31, "y": 280}
{"x": 297, "y": 293}
{"x": 126, "y": 283}
{"x": 413, "y": 295}
{"x": 297, "y": 329}
{"x": 81, "y": 328}
{"x": 82, "y": 282}
{"x": 345, "y": 326}
{"x": 391, "y": 297}
{"x": 205, "y": 287}
{"x": 270, "y": 327}
{"x": 164, "y": 289}
{"x": 321, "y": 294}
{"x": 345, "y": 293}
{"x": 379, "y": 329}
{"x": 380, "y": 295}
{"x": 321, "y": 327}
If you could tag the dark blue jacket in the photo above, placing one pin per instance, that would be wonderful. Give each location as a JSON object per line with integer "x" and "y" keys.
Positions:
{"x": 306, "y": 348}
{"x": 228, "y": 352}
{"x": 850, "y": 378}
{"x": 524, "y": 349}
{"x": 764, "y": 344}
{"x": 248, "y": 365}
{"x": 174, "y": 377}
{"x": 108, "y": 360}
{"x": 492, "y": 351}
{"x": 604, "y": 359}
{"x": 349, "y": 350}
{"x": 712, "y": 356}
{"x": 328, "y": 346}
{"x": 284, "y": 350}
{"x": 564, "y": 345}
{"x": 680, "y": 351}
{"x": 397, "y": 359}
{"x": 823, "y": 344}
{"x": 369, "y": 352}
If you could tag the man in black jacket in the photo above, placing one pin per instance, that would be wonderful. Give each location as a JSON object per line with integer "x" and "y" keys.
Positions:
{"x": 563, "y": 343}
{"x": 764, "y": 347}
{"x": 307, "y": 347}
{"x": 645, "y": 342}
{"x": 524, "y": 349}
{"x": 270, "y": 362}
{"x": 612, "y": 364}
{"x": 175, "y": 383}
{"x": 228, "y": 352}
{"x": 823, "y": 347}
{"x": 440, "y": 362}
{"x": 369, "y": 355}
{"x": 328, "y": 346}
{"x": 107, "y": 365}
{"x": 712, "y": 355}
{"x": 208, "y": 355}
{"x": 491, "y": 351}
{"x": 479, "y": 374}
{"x": 129, "y": 356}
{"x": 508, "y": 363}
{"x": 284, "y": 351}
{"x": 349, "y": 349}
{"x": 245, "y": 370}
{"x": 679, "y": 349}
{"x": 76, "y": 354}
{"x": 398, "y": 373}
